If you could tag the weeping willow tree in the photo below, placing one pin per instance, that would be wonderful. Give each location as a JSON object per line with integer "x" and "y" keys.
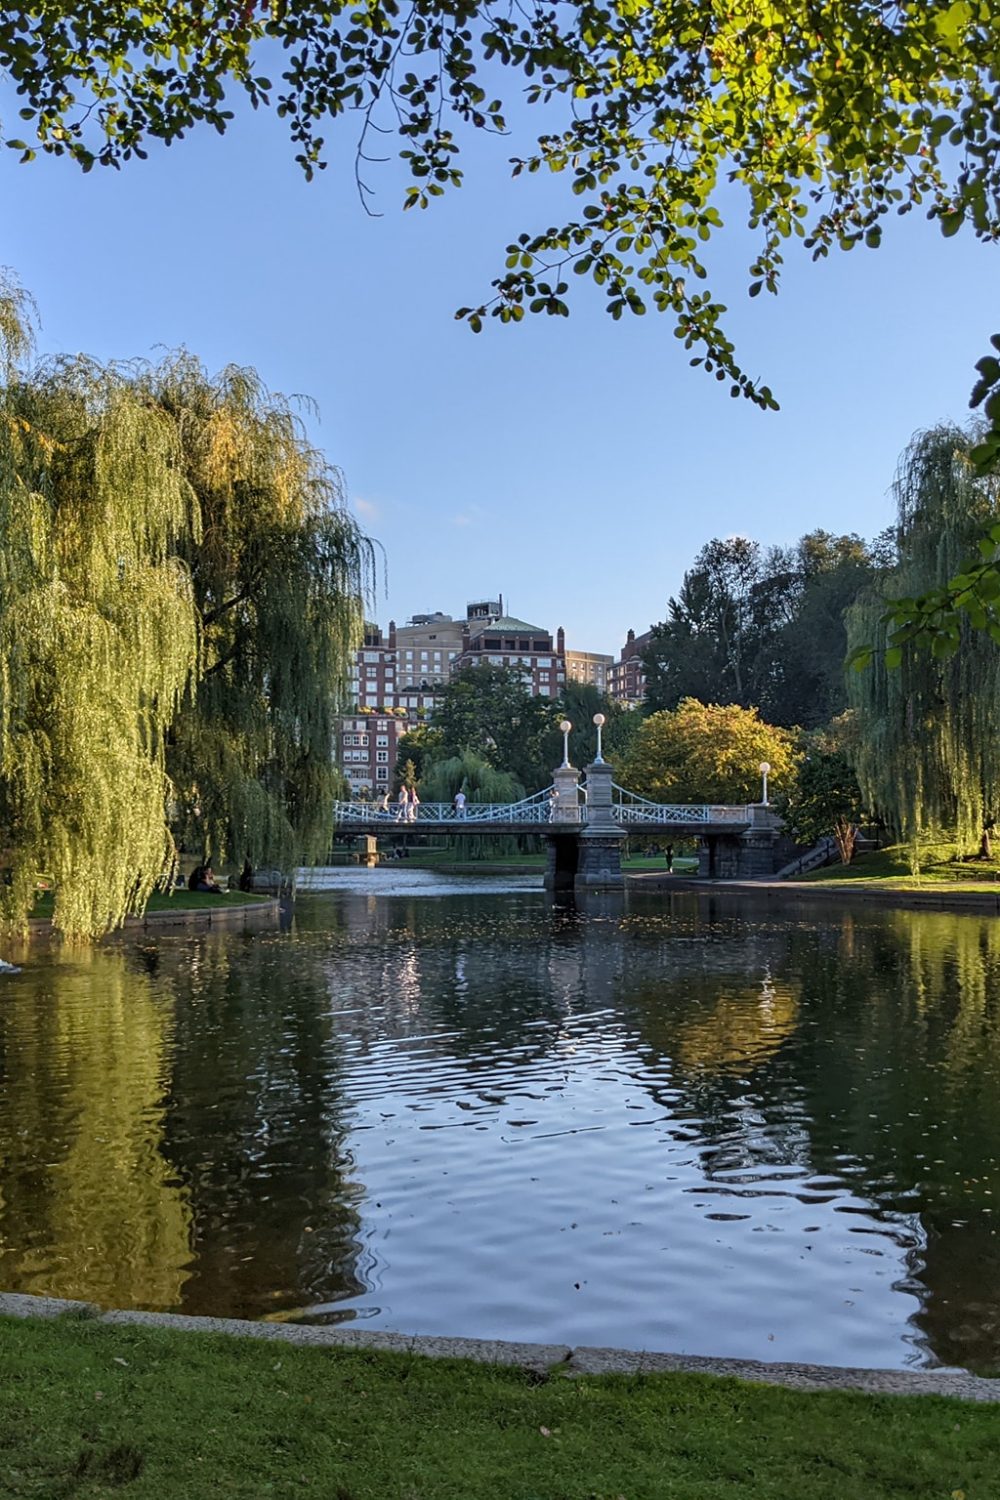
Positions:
{"x": 469, "y": 773}
{"x": 928, "y": 752}
{"x": 481, "y": 782}
{"x": 279, "y": 572}
{"x": 180, "y": 589}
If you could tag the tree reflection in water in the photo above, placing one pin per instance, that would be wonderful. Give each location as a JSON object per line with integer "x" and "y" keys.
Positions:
{"x": 182, "y": 1121}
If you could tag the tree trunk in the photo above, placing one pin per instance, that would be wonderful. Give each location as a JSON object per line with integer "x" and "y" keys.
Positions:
{"x": 985, "y": 850}
{"x": 845, "y": 833}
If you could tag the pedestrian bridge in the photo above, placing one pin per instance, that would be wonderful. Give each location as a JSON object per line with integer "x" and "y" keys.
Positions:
{"x": 553, "y": 810}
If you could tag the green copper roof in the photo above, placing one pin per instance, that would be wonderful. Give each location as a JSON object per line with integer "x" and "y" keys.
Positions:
{"x": 507, "y": 625}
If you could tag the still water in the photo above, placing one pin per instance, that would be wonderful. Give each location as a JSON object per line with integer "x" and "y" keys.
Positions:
{"x": 672, "y": 1122}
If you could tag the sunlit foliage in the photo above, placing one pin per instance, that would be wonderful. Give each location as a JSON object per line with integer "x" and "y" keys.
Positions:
{"x": 708, "y": 753}
{"x": 180, "y": 589}
{"x": 812, "y": 121}
{"x": 928, "y": 753}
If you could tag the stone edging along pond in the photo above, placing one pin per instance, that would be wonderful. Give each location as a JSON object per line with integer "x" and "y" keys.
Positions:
{"x": 554, "y": 1358}
{"x": 187, "y": 916}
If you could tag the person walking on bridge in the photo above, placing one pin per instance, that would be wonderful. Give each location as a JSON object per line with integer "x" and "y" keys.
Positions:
{"x": 401, "y": 804}
{"x": 459, "y": 800}
{"x": 413, "y": 802}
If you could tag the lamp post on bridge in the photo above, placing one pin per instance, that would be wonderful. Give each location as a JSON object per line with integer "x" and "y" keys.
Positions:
{"x": 765, "y": 772}
{"x": 564, "y": 728}
{"x": 599, "y": 721}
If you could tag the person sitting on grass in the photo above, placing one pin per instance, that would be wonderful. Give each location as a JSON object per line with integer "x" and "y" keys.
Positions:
{"x": 203, "y": 879}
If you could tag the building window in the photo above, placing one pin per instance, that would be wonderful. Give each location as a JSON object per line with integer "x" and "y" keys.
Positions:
{"x": 381, "y": 739}
{"x": 381, "y": 773}
{"x": 382, "y": 756}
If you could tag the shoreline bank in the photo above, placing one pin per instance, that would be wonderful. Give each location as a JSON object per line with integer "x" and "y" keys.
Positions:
{"x": 550, "y": 1358}
{"x": 936, "y": 898}
{"x": 233, "y": 913}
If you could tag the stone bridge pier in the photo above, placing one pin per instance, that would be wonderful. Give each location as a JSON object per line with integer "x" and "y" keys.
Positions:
{"x": 753, "y": 853}
{"x": 584, "y": 855}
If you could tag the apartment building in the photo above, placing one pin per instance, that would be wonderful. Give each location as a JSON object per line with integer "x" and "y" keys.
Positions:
{"x": 589, "y": 666}
{"x": 505, "y": 641}
{"x": 627, "y": 677}
{"x": 426, "y": 646}
{"x": 367, "y": 746}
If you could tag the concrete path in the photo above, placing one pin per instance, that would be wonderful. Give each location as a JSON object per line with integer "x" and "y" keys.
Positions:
{"x": 558, "y": 1358}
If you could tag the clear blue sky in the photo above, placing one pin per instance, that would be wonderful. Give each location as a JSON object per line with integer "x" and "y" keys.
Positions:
{"x": 576, "y": 466}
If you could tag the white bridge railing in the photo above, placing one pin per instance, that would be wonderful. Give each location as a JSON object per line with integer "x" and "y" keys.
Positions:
{"x": 541, "y": 808}
{"x": 534, "y": 809}
{"x": 634, "y": 811}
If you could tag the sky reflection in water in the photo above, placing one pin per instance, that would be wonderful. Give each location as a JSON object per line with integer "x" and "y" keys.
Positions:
{"x": 668, "y": 1123}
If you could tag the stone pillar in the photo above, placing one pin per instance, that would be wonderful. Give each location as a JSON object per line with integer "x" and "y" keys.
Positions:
{"x": 566, "y": 803}
{"x": 600, "y": 862}
{"x": 562, "y": 836}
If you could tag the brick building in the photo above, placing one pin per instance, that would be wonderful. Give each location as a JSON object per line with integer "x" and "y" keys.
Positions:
{"x": 504, "y": 641}
{"x": 627, "y": 678}
{"x": 397, "y": 677}
{"x": 367, "y": 747}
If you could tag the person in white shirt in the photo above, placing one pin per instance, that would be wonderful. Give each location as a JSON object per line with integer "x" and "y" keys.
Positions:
{"x": 413, "y": 804}
{"x": 460, "y": 804}
{"x": 401, "y": 804}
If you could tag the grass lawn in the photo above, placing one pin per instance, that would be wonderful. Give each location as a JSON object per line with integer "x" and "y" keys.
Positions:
{"x": 939, "y": 865}
{"x": 88, "y": 1411}
{"x": 428, "y": 859}
{"x": 160, "y": 901}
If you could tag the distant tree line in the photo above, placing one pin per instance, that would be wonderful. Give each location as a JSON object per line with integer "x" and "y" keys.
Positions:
{"x": 753, "y": 663}
{"x": 765, "y": 627}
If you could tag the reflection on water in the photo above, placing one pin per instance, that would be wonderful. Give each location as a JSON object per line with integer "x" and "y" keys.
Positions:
{"x": 666, "y": 1122}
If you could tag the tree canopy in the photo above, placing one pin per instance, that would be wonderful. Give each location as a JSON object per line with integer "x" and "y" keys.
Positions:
{"x": 471, "y": 774}
{"x": 708, "y": 753}
{"x": 489, "y": 709}
{"x": 927, "y": 754}
{"x": 826, "y": 799}
{"x": 180, "y": 591}
{"x": 826, "y": 118}
{"x": 762, "y": 627}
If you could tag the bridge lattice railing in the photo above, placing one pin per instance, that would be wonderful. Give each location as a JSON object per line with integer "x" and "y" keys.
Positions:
{"x": 632, "y": 810}
{"x": 533, "y": 809}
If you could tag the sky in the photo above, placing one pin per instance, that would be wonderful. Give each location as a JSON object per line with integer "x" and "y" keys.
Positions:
{"x": 575, "y": 466}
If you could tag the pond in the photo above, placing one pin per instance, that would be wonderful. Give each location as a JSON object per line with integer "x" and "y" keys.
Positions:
{"x": 449, "y": 1106}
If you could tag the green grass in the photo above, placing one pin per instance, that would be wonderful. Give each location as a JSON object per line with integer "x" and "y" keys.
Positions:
{"x": 430, "y": 858}
{"x": 160, "y": 901}
{"x": 88, "y": 1411}
{"x": 683, "y": 864}
{"x": 890, "y": 867}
